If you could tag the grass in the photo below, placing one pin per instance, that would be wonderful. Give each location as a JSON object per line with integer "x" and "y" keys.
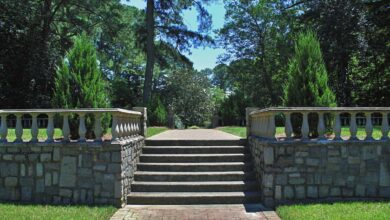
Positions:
{"x": 361, "y": 133}
{"x": 155, "y": 130}
{"x": 58, "y": 133}
{"x": 336, "y": 211}
{"x": 21, "y": 211}
{"x": 238, "y": 131}
{"x": 27, "y": 134}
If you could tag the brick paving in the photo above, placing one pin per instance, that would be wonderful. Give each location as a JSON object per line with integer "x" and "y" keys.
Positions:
{"x": 195, "y": 212}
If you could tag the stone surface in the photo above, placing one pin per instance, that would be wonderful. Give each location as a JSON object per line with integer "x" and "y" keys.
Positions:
{"x": 63, "y": 173}
{"x": 322, "y": 170}
{"x": 194, "y": 134}
{"x": 68, "y": 172}
{"x": 10, "y": 181}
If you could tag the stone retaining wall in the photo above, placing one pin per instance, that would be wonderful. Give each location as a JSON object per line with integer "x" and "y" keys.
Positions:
{"x": 298, "y": 171}
{"x": 64, "y": 173}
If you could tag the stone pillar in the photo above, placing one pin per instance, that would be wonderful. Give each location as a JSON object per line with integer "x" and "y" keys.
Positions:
{"x": 171, "y": 119}
{"x": 144, "y": 119}
{"x": 248, "y": 110}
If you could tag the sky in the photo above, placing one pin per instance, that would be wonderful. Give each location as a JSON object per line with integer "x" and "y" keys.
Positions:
{"x": 201, "y": 57}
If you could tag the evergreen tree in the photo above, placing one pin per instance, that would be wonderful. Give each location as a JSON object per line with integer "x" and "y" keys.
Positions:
{"x": 79, "y": 82}
{"x": 307, "y": 83}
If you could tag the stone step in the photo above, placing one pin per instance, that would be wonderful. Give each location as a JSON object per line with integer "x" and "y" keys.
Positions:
{"x": 193, "y": 149}
{"x": 195, "y": 167}
{"x": 171, "y": 158}
{"x": 217, "y": 186}
{"x": 169, "y": 198}
{"x": 238, "y": 142}
{"x": 193, "y": 176}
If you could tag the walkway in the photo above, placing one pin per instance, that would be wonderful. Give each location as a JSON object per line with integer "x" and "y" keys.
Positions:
{"x": 195, "y": 212}
{"x": 194, "y": 134}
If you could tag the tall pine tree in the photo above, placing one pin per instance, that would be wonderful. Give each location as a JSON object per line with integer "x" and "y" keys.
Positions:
{"x": 79, "y": 82}
{"x": 307, "y": 83}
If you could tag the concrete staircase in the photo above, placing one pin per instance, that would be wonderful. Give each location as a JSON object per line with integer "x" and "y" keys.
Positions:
{"x": 194, "y": 172}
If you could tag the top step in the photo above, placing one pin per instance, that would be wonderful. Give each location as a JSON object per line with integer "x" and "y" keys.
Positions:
{"x": 173, "y": 142}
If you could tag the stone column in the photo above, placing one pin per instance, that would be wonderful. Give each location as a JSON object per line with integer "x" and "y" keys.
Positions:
{"x": 305, "y": 126}
{"x": 287, "y": 125}
{"x": 321, "y": 126}
{"x": 3, "y": 128}
{"x": 144, "y": 118}
{"x": 248, "y": 110}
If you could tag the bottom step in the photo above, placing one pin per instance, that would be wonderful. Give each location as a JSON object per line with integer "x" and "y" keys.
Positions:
{"x": 169, "y": 198}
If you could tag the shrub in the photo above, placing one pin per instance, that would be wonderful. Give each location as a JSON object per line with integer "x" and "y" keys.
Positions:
{"x": 307, "y": 83}
{"x": 79, "y": 83}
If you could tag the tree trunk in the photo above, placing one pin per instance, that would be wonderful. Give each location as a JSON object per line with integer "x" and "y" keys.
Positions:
{"x": 150, "y": 56}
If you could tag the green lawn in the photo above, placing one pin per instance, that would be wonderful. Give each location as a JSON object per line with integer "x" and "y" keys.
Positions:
{"x": 361, "y": 134}
{"x": 336, "y": 211}
{"x": 155, "y": 130}
{"x": 38, "y": 212}
{"x": 238, "y": 131}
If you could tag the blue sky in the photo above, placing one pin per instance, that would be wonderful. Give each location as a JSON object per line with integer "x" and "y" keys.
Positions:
{"x": 201, "y": 57}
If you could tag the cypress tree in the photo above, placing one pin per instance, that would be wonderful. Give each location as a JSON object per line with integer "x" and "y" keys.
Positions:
{"x": 79, "y": 82}
{"x": 307, "y": 83}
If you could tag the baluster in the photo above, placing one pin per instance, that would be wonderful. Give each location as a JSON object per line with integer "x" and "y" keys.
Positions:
{"x": 368, "y": 127}
{"x": 65, "y": 127}
{"x": 262, "y": 125}
{"x": 321, "y": 126}
{"x": 133, "y": 129}
{"x": 3, "y": 129}
{"x": 98, "y": 127}
{"x": 18, "y": 128}
{"x": 121, "y": 129}
{"x": 305, "y": 126}
{"x": 385, "y": 126}
{"x": 287, "y": 125}
{"x": 271, "y": 125}
{"x": 114, "y": 127}
{"x": 127, "y": 127}
{"x": 50, "y": 127}
{"x": 34, "y": 127}
{"x": 337, "y": 127}
{"x": 82, "y": 128}
{"x": 353, "y": 127}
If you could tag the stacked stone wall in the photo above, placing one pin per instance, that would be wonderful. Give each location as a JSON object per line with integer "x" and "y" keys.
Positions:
{"x": 301, "y": 171}
{"x": 68, "y": 173}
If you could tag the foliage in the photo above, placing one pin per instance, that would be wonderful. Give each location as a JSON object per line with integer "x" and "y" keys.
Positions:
{"x": 307, "y": 83}
{"x": 157, "y": 112}
{"x": 34, "y": 35}
{"x": 79, "y": 82}
{"x": 189, "y": 94}
{"x": 164, "y": 20}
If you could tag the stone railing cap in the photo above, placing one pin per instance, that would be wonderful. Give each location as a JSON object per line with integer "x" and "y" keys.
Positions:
{"x": 79, "y": 110}
{"x": 321, "y": 109}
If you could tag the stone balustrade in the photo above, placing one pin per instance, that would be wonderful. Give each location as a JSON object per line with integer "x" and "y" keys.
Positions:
{"x": 262, "y": 122}
{"x": 124, "y": 123}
